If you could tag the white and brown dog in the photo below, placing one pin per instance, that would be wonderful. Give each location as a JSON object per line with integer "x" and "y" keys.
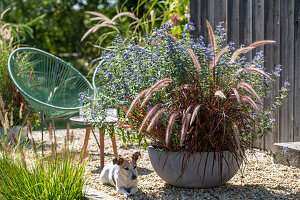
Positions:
{"x": 122, "y": 173}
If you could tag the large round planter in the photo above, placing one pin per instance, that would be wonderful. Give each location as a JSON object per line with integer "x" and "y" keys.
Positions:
{"x": 168, "y": 165}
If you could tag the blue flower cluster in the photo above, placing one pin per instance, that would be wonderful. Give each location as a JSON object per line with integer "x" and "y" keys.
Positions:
{"x": 83, "y": 97}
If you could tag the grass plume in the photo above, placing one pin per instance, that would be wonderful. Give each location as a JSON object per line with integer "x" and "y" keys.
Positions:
{"x": 248, "y": 88}
{"x": 195, "y": 60}
{"x": 155, "y": 119}
{"x": 211, "y": 36}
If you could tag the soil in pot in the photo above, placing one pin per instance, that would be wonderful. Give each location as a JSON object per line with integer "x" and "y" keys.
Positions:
{"x": 202, "y": 170}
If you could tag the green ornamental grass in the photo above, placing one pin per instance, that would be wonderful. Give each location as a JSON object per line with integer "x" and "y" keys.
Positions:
{"x": 57, "y": 178}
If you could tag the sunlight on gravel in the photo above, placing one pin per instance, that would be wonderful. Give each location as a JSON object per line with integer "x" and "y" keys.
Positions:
{"x": 259, "y": 179}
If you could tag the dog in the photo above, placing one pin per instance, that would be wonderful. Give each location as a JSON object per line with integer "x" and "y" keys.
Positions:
{"x": 122, "y": 174}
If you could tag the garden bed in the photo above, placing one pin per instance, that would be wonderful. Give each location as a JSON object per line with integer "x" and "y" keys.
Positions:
{"x": 261, "y": 178}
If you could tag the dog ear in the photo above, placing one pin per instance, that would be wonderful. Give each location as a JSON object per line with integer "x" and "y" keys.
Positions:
{"x": 115, "y": 160}
{"x": 118, "y": 161}
{"x": 135, "y": 156}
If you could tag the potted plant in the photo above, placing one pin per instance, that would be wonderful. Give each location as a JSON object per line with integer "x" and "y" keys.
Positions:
{"x": 200, "y": 124}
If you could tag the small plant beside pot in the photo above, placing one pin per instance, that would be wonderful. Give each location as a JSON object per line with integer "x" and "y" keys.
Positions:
{"x": 199, "y": 129}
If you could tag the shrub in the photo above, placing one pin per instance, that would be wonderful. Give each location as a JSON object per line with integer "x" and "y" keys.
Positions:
{"x": 10, "y": 35}
{"x": 216, "y": 108}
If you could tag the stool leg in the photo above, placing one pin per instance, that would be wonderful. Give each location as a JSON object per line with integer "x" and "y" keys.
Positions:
{"x": 86, "y": 141}
{"x": 101, "y": 147}
{"x": 114, "y": 145}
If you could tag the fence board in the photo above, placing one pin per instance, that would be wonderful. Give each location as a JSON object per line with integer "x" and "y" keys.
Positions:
{"x": 195, "y": 10}
{"x": 297, "y": 72}
{"x": 246, "y": 24}
{"x": 210, "y": 14}
{"x": 233, "y": 22}
{"x": 287, "y": 61}
{"x": 220, "y": 11}
{"x": 258, "y": 29}
{"x": 272, "y": 54}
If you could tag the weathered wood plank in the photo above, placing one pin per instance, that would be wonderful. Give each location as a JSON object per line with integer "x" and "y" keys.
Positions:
{"x": 210, "y": 15}
{"x": 195, "y": 10}
{"x": 246, "y": 24}
{"x": 220, "y": 11}
{"x": 287, "y": 60}
{"x": 234, "y": 22}
{"x": 258, "y": 30}
{"x": 297, "y": 72}
{"x": 272, "y": 54}
{"x": 203, "y": 19}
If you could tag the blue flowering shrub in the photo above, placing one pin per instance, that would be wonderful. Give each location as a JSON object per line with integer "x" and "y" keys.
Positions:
{"x": 127, "y": 70}
{"x": 181, "y": 85}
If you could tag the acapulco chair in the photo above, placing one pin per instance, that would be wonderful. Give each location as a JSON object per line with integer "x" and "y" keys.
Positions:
{"x": 49, "y": 84}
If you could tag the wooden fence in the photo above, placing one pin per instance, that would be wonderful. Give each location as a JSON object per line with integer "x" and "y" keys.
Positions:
{"x": 247, "y": 21}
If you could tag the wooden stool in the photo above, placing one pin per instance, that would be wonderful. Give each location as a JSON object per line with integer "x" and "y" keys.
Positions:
{"x": 80, "y": 120}
{"x": 114, "y": 145}
{"x": 86, "y": 141}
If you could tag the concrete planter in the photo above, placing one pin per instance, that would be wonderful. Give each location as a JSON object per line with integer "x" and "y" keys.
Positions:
{"x": 168, "y": 165}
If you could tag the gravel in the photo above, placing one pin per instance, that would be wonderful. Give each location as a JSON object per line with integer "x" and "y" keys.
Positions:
{"x": 260, "y": 178}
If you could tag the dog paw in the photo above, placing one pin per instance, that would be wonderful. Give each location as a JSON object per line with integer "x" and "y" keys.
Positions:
{"x": 127, "y": 195}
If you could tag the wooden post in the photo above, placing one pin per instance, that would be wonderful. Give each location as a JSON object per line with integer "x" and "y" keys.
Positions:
{"x": 86, "y": 141}
{"x": 101, "y": 130}
{"x": 114, "y": 145}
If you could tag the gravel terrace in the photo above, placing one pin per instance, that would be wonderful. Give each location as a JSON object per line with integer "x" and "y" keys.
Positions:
{"x": 261, "y": 178}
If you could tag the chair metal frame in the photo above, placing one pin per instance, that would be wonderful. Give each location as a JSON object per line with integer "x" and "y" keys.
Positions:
{"x": 61, "y": 111}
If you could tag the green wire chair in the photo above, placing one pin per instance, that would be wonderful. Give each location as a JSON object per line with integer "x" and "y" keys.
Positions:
{"x": 94, "y": 80}
{"x": 49, "y": 84}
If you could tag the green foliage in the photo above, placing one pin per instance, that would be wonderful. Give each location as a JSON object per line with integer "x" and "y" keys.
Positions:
{"x": 59, "y": 178}
{"x": 26, "y": 175}
{"x": 62, "y": 26}
{"x": 178, "y": 12}
{"x": 9, "y": 35}
{"x": 134, "y": 24}
{"x": 217, "y": 107}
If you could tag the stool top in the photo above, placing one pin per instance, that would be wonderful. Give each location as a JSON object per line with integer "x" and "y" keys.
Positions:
{"x": 111, "y": 118}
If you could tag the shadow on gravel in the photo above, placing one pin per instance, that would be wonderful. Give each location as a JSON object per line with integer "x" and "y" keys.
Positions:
{"x": 129, "y": 146}
{"x": 96, "y": 171}
{"x": 143, "y": 171}
{"x": 225, "y": 192}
